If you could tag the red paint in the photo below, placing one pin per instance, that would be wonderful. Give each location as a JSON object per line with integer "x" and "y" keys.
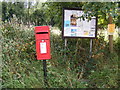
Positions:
{"x": 42, "y": 36}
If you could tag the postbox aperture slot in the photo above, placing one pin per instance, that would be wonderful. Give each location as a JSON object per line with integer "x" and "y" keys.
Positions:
{"x": 41, "y": 32}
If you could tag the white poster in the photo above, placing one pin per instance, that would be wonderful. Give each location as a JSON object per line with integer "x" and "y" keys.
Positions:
{"x": 74, "y": 26}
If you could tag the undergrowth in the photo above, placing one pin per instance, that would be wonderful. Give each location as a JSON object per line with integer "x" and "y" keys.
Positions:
{"x": 70, "y": 67}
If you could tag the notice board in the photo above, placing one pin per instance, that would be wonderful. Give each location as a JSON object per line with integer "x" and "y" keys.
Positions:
{"x": 76, "y": 27}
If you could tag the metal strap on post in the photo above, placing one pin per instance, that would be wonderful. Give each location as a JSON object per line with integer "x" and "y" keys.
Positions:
{"x": 65, "y": 42}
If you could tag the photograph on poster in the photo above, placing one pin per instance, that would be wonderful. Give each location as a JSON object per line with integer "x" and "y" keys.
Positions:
{"x": 76, "y": 27}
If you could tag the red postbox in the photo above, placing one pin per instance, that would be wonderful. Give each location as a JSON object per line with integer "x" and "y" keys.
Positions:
{"x": 42, "y": 36}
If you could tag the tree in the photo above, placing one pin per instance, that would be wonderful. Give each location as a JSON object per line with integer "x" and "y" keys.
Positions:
{"x": 106, "y": 10}
{"x": 102, "y": 10}
{"x": 9, "y": 9}
{"x": 54, "y": 11}
{"x": 19, "y": 10}
{"x": 4, "y": 11}
{"x": 38, "y": 17}
{"x": 99, "y": 9}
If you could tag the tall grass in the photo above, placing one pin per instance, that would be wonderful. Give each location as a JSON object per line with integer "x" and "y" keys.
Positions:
{"x": 69, "y": 67}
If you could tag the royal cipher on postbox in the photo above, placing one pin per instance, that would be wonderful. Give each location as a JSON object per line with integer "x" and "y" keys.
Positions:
{"x": 42, "y": 37}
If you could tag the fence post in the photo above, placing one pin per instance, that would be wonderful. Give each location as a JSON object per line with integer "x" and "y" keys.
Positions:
{"x": 110, "y": 36}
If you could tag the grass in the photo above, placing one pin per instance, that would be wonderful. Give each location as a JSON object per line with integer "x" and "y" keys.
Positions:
{"x": 69, "y": 67}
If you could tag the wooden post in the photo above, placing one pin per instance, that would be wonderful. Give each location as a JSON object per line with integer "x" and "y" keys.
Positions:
{"x": 110, "y": 36}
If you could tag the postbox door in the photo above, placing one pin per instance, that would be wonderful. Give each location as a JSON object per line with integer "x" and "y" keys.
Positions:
{"x": 43, "y": 49}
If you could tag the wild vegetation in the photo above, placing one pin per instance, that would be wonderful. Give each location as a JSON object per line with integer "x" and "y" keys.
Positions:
{"x": 70, "y": 67}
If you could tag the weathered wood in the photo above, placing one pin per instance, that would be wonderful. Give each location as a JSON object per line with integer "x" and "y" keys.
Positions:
{"x": 110, "y": 19}
{"x": 111, "y": 43}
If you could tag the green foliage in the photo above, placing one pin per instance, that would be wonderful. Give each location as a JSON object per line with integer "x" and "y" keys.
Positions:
{"x": 54, "y": 11}
{"x": 39, "y": 17}
{"x": 50, "y": 13}
{"x": 9, "y": 9}
{"x": 20, "y": 67}
{"x": 117, "y": 46}
{"x": 99, "y": 9}
{"x": 70, "y": 67}
{"x": 19, "y": 61}
{"x": 102, "y": 10}
{"x": 106, "y": 73}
